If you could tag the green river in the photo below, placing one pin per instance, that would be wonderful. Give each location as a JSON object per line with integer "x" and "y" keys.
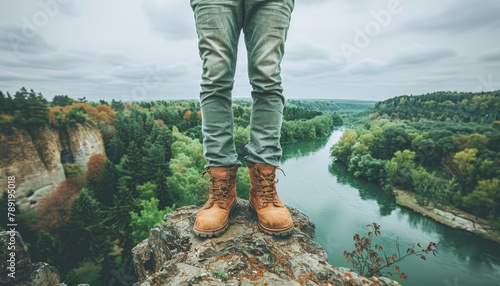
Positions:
{"x": 341, "y": 205}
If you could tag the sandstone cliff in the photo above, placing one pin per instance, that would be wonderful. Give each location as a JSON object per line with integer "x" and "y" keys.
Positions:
{"x": 35, "y": 158}
{"x": 172, "y": 255}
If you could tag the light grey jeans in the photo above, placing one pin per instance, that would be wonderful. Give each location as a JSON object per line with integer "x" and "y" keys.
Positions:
{"x": 265, "y": 25}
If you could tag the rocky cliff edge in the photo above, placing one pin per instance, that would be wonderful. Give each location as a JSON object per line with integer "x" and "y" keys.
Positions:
{"x": 173, "y": 255}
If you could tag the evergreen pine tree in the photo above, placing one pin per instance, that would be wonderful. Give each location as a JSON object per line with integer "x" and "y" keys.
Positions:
{"x": 131, "y": 168}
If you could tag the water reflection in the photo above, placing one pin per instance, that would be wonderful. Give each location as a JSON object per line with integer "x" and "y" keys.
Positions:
{"x": 367, "y": 190}
{"x": 469, "y": 248}
{"x": 302, "y": 149}
{"x": 341, "y": 205}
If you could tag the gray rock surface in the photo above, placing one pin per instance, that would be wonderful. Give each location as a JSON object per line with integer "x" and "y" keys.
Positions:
{"x": 173, "y": 255}
{"x": 19, "y": 270}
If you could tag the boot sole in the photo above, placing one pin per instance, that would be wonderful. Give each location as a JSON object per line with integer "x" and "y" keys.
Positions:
{"x": 273, "y": 232}
{"x": 215, "y": 233}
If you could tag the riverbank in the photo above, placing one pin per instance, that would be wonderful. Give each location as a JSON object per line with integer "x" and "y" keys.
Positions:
{"x": 451, "y": 217}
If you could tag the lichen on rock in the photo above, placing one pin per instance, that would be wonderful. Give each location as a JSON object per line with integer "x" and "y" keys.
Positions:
{"x": 173, "y": 255}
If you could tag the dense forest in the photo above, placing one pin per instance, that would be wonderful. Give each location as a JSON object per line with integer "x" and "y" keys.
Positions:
{"x": 444, "y": 147}
{"x": 88, "y": 225}
{"x": 443, "y": 106}
{"x": 338, "y": 105}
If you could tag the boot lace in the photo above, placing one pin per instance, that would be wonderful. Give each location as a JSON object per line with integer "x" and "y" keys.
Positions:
{"x": 219, "y": 187}
{"x": 267, "y": 190}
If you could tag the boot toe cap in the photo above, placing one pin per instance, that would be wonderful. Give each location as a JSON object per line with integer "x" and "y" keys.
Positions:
{"x": 276, "y": 219}
{"x": 210, "y": 221}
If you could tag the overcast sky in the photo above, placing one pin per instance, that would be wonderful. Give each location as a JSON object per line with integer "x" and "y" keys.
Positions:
{"x": 345, "y": 49}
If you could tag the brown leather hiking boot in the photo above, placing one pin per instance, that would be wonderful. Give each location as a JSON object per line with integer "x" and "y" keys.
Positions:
{"x": 213, "y": 218}
{"x": 274, "y": 217}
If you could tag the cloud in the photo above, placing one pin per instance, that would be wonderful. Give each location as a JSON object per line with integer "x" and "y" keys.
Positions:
{"x": 173, "y": 19}
{"x": 367, "y": 66}
{"x": 437, "y": 79}
{"x": 9, "y": 77}
{"x": 418, "y": 55}
{"x": 311, "y": 2}
{"x": 113, "y": 57}
{"x": 412, "y": 57}
{"x": 158, "y": 71}
{"x": 40, "y": 63}
{"x": 304, "y": 51}
{"x": 309, "y": 61}
{"x": 70, "y": 8}
{"x": 128, "y": 49}
{"x": 460, "y": 17}
{"x": 16, "y": 39}
{"x": 490, "y": 56}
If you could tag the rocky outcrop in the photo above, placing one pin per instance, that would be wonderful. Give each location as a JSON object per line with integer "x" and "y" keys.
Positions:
{"x": 16, "y": 267}
{"x": 35, "y": 158}
{"x": 172, "y": 255}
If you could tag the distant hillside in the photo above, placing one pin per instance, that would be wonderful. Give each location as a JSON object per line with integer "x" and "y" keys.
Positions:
{"x": 443, "y": 148}
{"x": 481, "y": 107}
{"x": 338, "y": 105}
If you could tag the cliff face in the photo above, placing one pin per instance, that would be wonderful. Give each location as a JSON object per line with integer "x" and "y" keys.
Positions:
{"x": 35, "y": 158}
{"x": 172, "y": 255}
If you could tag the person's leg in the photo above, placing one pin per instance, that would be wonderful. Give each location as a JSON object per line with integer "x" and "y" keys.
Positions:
{"x": 218, "y": 24}
{"x": 265, "y": 28}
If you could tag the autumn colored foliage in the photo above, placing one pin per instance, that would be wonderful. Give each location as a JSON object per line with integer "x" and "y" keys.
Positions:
{"x": 100, "y": 113}
{"x": 371, "y": 259}
{"x": 54, "y": 209}
{"x": 95, "y": 168}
